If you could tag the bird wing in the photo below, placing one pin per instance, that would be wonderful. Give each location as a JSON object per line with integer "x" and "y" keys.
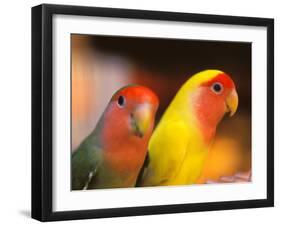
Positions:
{"x": 167, "y": 150}
{"x": 84, "y": 165}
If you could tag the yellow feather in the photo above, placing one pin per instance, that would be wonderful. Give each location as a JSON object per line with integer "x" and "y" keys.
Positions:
{"x": 176, "y": 148}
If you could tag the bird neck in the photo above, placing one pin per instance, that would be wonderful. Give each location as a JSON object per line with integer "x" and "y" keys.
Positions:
{"x": 186, "y": 107}
{"x": 122, "y": 150}
{"x": 207, "y": 113}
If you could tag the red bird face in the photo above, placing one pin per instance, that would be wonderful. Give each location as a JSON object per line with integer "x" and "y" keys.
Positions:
{"x": 216, "y": 97}
{"x": 135, "y": 107}
{"x": 126, "y": 127}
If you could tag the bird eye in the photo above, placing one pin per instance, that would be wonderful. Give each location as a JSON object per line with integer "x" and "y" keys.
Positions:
{"x": 217, "y": 88}
{"x": 121, "y": 101}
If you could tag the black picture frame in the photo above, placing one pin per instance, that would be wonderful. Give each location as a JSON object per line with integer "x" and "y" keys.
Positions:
{"x": 42, "y": 107}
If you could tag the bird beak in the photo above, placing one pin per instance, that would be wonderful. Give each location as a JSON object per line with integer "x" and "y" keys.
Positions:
{"x": 141, "y": 119}
{"x": 232, "y": 102}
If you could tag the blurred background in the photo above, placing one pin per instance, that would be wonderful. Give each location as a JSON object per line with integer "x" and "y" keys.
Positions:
{"x": 103, "y": 64}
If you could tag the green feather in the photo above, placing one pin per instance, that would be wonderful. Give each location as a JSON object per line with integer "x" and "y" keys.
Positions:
{"x": 85, "y": 162}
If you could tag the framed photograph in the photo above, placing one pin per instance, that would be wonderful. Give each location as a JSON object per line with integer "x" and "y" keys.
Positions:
{"x": 146, "y": 112}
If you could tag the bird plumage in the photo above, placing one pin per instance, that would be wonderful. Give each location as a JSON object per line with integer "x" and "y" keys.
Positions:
{"x": 112, "y": 155}
{"x": 179, "y": 144}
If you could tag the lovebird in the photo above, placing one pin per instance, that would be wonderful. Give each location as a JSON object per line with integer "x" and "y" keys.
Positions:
{"x": 181, "y": 140}
{"x": 113, "y": 154}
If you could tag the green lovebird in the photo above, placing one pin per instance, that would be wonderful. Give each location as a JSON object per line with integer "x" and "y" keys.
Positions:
{"x": 113, "y": 154}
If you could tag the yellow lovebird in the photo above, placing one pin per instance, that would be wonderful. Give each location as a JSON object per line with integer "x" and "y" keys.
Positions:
{"x": 180, "y": 143}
